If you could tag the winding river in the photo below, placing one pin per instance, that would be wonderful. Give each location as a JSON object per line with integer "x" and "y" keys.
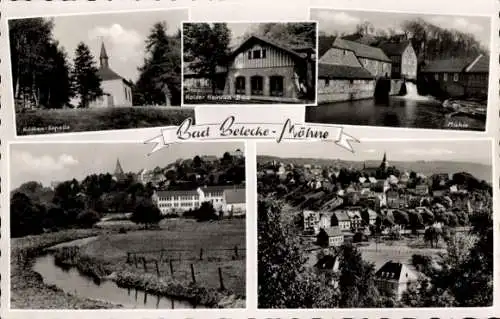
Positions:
{"x": 71, "y": 281}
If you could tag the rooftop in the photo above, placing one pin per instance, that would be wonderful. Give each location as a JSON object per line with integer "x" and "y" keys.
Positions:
{"x": 393, "y": 48}
{"x": 235, "y": 196}
{"x": 361, "y": 50}
{"x": 332, "y": 71}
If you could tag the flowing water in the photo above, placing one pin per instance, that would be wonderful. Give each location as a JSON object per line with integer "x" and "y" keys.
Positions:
{"x": 71, "y": 281}
{"x": 411, "y": 111}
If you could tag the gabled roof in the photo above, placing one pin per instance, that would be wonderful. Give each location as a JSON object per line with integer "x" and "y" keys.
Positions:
{"x": 360, "y": 38}
{"x": 341, "y": 216}
{"x": 272, "y": 43}
{"x": 332, "y": 71}
{"x": 480, "y": 65}
{"x": 361, "y": 50}
{"x": 107, "y": 74}
{"x": 219, "y": 189}
{"x": 333, "y": 231}
{"x": 393, "y": 271}
{"x": 235, "y": 196}
{"x": 393, "y": 48}
{"x": 455, "y": 65}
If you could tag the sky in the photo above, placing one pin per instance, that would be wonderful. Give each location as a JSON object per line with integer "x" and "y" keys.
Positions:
{"x": 48, "y": 162}
{"x": 345, "y": 21}
{"x": 456, "y": 151}
{"x": 124, "y": 35}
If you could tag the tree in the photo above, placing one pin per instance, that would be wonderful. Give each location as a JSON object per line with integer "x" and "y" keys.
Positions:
{"x": 356, "y": 280}
{"x": 432, "y": 235}
{"x": 87, "y": 218}
{"x": 205, "y": 212}
{"x": 322, "y": 239}
{"x": 160, "y": 74}
{"x": 26, "y": 217}
{"x": 283, "y": 279}
{"x": 86, "y": 82}
{"x": 208, "y": 45}
{"x": 146, "y": 213}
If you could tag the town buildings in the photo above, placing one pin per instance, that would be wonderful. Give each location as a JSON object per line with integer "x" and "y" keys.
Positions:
{"x": 117, "y": 90}
{"x": 261, "y": 69}
{"x": 459, "y": 76}
{"x": 395, "y": 278}
{"x": 231, "y": 200}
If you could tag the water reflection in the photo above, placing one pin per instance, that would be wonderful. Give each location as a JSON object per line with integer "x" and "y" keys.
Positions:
{"x": 71, "y": 281}
{"x": 395, "y": 112}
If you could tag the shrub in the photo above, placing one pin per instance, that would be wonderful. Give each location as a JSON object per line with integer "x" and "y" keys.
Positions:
{"x": 87, "y": 218}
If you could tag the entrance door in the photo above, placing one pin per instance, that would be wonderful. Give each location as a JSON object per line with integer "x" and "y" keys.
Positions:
{"x": 257, "y": 85}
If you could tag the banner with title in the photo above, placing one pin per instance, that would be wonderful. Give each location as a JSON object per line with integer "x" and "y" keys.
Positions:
{"x": 230, "y": 129}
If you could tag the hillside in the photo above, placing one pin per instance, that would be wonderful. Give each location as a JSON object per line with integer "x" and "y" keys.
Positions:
{"x": 480, "y": 171}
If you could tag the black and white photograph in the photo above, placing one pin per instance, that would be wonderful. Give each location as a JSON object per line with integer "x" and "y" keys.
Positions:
{"x": 104, "y": 226}
{"x": 105, "y": 71}
{"x": 249, "y": 63}
{"x": 402, "y": 70}
{"x": 397, "y": 224}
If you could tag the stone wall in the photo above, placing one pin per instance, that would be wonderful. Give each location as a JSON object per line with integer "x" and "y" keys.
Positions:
{"x": 344, "y": 90}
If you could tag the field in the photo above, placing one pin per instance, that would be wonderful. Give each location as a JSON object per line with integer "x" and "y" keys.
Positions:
{"x": 182, "y": 241}
{"x": 28, "y": 290}
{"x": 49, "y": 121}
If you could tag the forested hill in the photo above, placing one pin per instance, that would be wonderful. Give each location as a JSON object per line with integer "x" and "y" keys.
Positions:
{"x": 429, "y": 40}
{"x": 428, "y": 168}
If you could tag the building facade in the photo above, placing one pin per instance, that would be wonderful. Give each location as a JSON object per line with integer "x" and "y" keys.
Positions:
{"x": 403, "y": 57}
{"x": 117, "y": 90}
{"x": 460, "y": 76}
{"x": 395, "y": 278}
{"x": 264, "y": 70}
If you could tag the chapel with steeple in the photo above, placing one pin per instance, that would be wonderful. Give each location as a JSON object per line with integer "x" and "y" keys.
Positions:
{"x": 119, "y": 174}
{"x": 117, "y": 90}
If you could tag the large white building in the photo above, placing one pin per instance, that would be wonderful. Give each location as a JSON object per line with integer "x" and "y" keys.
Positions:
{"x": 228, "y": 199}
{"x": 117, "y": 90}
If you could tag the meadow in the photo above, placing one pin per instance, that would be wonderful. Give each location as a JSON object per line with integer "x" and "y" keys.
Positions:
{"x": 50, "y": 121}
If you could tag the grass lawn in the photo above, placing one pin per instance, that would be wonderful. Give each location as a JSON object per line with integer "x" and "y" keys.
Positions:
{"x": 28, "y": 291}
{"x": 180, "y": 234}
{"x": 48, "y": 121}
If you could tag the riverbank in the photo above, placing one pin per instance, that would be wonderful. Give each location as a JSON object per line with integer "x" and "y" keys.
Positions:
{"x": 106, "y": 259}
{"x": 28, "y": 290}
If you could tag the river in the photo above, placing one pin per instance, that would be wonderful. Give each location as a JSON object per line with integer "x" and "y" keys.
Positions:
{"x": 410, "y": 111}
{"x": 72, "y": 282}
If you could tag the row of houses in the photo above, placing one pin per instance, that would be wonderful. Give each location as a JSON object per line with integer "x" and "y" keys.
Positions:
{"x": 229, "y": 199}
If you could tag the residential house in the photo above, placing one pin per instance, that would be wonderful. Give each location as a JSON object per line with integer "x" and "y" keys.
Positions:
{"x": 370, "y": 216}
{"x": 263, "y": 69}
{"x": 325, "y": 220}
{"x": 311, "y": 221}
{"x": 354, "y": 214}
{"x": 117, "y": 90}
{"x": 422, "y": 189}
{"x": 342, "y": 220}
{"x": 335, "y": 236}
{"x": 235, "y": 201}
{"x": 403, "y": 57}
{"x": 395, "y": 277}
{"x": 460, "y": 76}
{"x": 392, "y": 198}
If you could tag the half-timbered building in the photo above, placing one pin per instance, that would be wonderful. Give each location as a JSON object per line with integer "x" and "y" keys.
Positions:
{"x": 262, "y": 69}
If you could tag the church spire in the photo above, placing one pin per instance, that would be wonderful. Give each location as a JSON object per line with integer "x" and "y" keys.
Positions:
{"x": 103, "y": 57}
{"x": 384, "y": 164}
{"x": 118, "y": 169}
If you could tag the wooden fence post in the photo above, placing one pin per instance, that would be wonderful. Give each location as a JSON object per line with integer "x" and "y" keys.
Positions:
{"x": 201, "y": 253}
{"x": 171, "y": 268}
{"x": 135, "y": 261}
{"x": 236, "y": 251}
{"x": 161, "y": 255}
{"x": 128, "y": 258}
{"x": 192, "y": 273}
{"x": 144, "y": 263}
{"x": 157, "y": 268}
{"x": 221, "y": 280}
